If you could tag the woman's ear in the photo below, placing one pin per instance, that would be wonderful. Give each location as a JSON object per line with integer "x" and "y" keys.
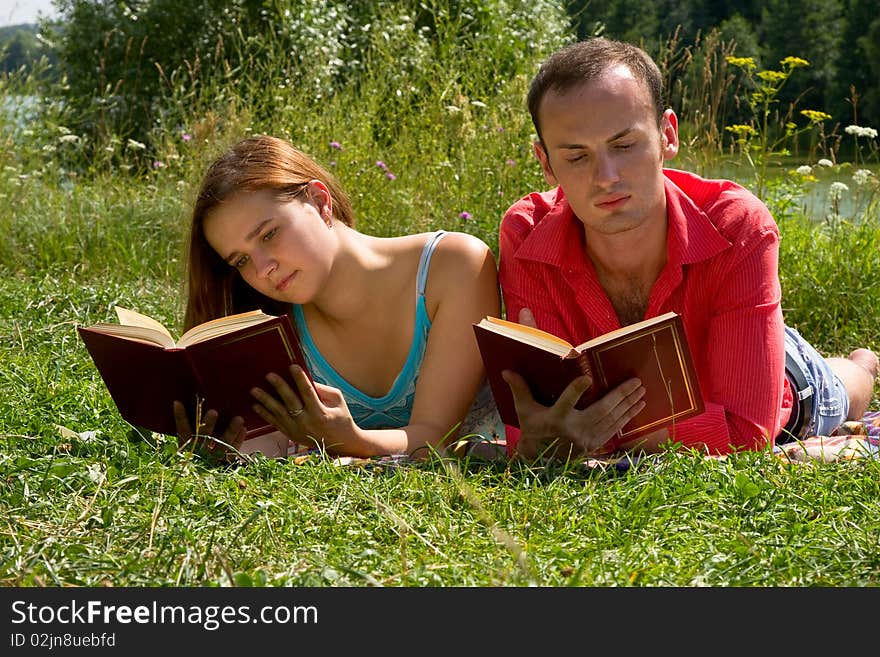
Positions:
{"x": 320, "y": 197}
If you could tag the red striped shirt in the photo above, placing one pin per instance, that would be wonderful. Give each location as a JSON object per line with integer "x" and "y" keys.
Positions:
{"x": 721, "y": 276}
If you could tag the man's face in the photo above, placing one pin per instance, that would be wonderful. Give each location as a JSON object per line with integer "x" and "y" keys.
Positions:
{"x": 606, "y": 151}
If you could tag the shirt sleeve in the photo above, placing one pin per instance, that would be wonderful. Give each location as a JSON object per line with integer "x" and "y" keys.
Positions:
{"x": 521, "y": 283}
{"x": 745, "y": 353}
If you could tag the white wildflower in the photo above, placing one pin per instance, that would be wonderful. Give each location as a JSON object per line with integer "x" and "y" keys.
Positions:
{"x": 825, "y": 162}
{"x": 136, "y": 145}
{"x": 861, "y": 131}
{"x": 862, "y": 176}
{"x": 836, "y": 190}
{"x": 804, "y": 170}
{"x": 68, "y": 139}
{"x": 96, "y": 474}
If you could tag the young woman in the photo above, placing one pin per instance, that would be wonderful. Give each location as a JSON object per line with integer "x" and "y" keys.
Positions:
{"x": 386, "y": 323}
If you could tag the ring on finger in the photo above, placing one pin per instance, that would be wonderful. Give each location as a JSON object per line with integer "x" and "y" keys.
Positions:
{"x": 295, "y": 413}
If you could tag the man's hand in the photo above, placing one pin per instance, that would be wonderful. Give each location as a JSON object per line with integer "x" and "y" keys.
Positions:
{"x": 561, "y": 430}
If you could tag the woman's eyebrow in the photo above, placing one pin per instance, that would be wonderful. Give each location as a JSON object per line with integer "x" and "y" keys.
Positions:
{"x": 247, "y": 238}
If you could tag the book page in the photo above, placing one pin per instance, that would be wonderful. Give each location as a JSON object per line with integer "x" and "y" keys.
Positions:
{"x": 131, "y": 318}
{"x": 527, "y": 334}
{"x": 221, "y": 326}
{"x": 626, "y": 330}
{"x": 136, "y": 333}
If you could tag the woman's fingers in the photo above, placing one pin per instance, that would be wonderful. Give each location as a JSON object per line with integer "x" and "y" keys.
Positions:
{"x": 202, "y": 439}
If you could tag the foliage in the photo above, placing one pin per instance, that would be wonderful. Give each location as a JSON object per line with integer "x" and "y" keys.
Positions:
{"x": 428, "y": 131}
{"x": 21, "y": 48}
{"x": 771, "y": 128}
{"x": 129, "y": 64}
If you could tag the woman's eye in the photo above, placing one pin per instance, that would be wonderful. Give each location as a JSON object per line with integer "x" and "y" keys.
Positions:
{"x": 238, "y": 263}
{"x": 270, "y": 234}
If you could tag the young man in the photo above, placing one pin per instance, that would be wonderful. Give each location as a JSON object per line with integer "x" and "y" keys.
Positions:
{"x": 621, "y": 239}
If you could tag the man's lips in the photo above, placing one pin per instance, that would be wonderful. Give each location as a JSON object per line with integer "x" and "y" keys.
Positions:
{"x": 613, "y": 203}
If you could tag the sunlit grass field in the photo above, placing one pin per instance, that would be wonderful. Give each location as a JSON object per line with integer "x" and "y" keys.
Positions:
{"x": 83, "y": 501}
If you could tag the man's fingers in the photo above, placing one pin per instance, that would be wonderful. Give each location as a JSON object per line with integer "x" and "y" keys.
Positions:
{"x": 526, "y": 318}
{"x": 522, "y": 395}
{"x": 573, "y": 392}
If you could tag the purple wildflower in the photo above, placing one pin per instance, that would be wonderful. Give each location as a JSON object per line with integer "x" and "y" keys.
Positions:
{"x": 158, "y": 164}
{"x": 390, "y": 176}
{"x": 382, "y": 165}
{"x": 336, "y": 145}
{"x": 186, "y": 136}
{"x": 511, "y": 163}
{"x": 465, "y": 215}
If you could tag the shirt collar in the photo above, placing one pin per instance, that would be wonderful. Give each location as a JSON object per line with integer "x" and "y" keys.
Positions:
{"x": 558, "y": 238}
{"x": 691, "y": 236}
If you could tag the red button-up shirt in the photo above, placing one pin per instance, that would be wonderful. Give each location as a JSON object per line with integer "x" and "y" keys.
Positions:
{"x": 720, "y": 275}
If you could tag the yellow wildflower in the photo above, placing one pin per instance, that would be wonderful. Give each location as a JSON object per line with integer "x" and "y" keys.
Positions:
{"x": 815, "y": 116}
{"x": 794, "y": 62}
{"x": 771, "y": 76}
{"x": 742, "y": 62}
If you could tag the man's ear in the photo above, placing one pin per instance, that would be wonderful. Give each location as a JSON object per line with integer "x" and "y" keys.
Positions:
{"x": 668, "y": 135}
{"x": 544, "y": 159}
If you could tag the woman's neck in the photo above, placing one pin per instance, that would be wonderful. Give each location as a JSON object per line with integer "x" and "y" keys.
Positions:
{"x": 355, "y": 279}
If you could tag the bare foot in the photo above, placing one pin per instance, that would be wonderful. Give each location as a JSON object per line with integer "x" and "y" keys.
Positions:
{"x": 867, "y": 359}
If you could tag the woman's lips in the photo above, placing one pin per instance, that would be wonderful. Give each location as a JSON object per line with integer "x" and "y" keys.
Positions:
{"x": 285, "y": 282}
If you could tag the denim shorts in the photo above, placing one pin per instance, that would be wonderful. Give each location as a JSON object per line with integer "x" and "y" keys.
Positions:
{"x": 830, "y": 403}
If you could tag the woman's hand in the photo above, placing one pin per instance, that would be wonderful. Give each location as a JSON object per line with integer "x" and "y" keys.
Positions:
{"x": 314, "y": 416}
{"x": 202, "y": 440}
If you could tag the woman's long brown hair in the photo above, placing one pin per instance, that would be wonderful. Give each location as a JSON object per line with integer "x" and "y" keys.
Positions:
{"x": 214, "y": 288}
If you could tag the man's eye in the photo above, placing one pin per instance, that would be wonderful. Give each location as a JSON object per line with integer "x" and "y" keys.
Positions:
{"x": 624, "y": 147}
{"x": 577, "y": 158}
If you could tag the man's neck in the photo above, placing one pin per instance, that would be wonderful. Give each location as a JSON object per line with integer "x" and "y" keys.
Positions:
{"x": 627, "y": 265}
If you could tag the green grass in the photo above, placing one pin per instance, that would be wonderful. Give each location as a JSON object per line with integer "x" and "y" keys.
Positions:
{"x": 89, "y": 504}
{"x": 101, "y": 510}
{"x": 85, "y": 502}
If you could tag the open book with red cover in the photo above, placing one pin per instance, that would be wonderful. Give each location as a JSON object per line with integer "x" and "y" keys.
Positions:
{"x": 654, "y": 350}
{"x": 212, "y": 366}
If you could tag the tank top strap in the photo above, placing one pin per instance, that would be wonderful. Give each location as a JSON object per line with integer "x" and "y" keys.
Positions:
{"x": 425, "y": 261}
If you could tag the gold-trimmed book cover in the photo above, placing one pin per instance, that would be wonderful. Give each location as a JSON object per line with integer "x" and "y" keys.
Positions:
{"x": 654, "y": 350}
{"x": 212, "y": 366}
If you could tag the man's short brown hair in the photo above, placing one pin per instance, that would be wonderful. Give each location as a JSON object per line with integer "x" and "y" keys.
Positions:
{"x": 586, "y": 60}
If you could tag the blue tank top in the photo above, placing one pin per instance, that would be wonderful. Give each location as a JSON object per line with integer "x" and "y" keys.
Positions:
{"x": 392, "y": 410}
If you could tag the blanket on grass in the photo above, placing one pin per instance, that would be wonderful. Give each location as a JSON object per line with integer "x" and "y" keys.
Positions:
{"x": 853, "y": 440}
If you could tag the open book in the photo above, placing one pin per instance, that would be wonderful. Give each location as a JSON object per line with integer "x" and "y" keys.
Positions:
{"x": 212, "y": 366}
{"x": 654, "y": 350}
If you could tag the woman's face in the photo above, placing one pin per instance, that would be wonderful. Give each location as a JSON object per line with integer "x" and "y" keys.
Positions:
{"x": 282, "y": 248}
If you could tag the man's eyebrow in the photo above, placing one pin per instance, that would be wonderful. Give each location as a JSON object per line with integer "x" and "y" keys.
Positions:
{"x": 247, "y": 238}
{"x": 576, "y": 146}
